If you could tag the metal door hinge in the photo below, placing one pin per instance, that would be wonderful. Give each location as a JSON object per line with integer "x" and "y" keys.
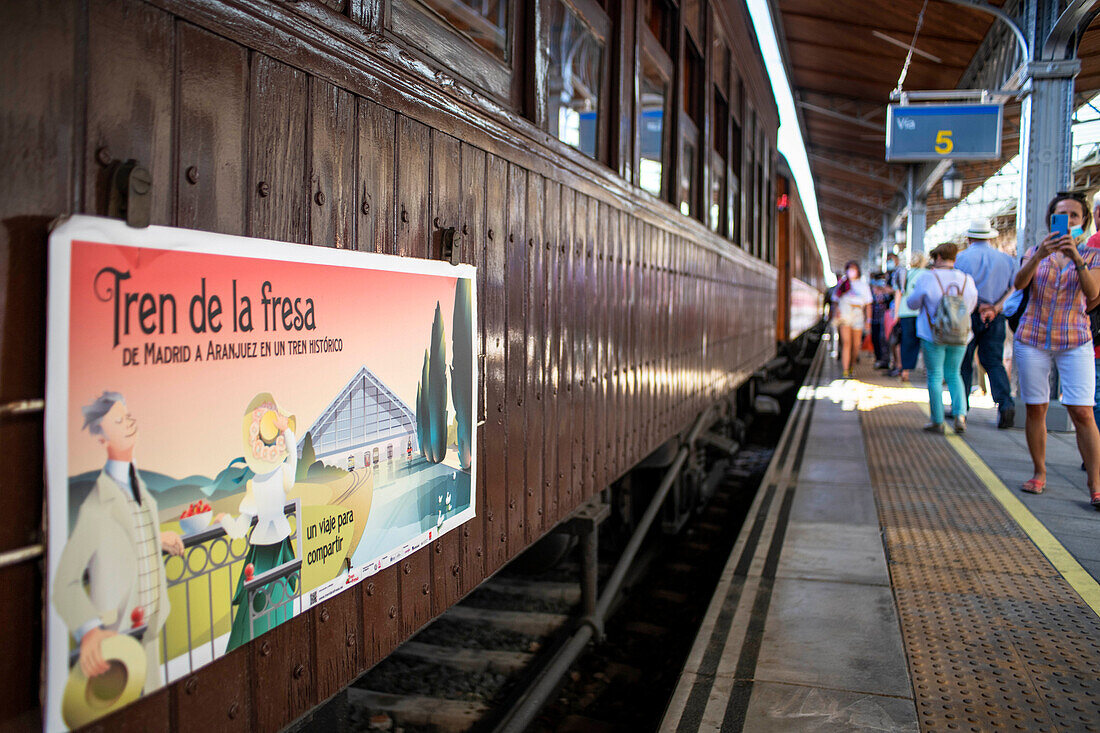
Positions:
{"x": 448, "y": 249}
{"x": 130, "y": 195}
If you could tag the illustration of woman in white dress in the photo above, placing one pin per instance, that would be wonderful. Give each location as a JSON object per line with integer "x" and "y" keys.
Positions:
{"x": 271, "y": 453}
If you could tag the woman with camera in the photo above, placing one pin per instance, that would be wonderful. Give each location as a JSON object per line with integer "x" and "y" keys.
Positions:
{"x": 1054, "y": 329}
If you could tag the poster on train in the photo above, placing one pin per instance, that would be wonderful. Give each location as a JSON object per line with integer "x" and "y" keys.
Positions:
{"x": 236, "y": 429}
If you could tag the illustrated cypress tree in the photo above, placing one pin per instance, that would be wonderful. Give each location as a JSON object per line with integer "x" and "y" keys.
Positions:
{"x": 437, "y": 389}
{"x": 422, "y": 429}
{"x": 309, "y": 455}
{"x": 462, "y": 372}
{"x": 431, "y": 395}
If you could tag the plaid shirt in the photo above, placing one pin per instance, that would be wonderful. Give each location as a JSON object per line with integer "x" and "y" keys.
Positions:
{"x": 1055, "y": 318}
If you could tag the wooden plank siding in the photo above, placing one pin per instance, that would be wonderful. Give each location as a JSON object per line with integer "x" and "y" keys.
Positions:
{"x": 516, "y": 449}
{"x": 593, "y": 301}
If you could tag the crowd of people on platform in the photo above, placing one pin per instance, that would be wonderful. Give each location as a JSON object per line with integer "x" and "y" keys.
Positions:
{"x": 954, "y": 305}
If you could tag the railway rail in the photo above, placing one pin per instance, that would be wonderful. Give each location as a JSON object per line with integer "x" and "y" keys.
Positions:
{"x": 478, "y": 665}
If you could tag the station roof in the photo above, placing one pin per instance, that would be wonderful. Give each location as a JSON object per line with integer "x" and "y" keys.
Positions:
{"x": 844, "y": 58}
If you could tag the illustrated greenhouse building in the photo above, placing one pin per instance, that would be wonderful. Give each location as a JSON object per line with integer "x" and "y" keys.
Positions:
{"x": 366, "y": 425}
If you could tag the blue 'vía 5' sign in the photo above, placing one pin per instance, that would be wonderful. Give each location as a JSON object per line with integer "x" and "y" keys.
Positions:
{"x": 939, "y": 131}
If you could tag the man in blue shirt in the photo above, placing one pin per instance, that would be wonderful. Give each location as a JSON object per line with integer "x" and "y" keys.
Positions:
{"x": 993, "y": 272}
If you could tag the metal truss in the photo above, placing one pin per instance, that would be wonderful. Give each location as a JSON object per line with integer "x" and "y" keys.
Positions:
{"x": 863, "y": 189}
{"x": 852, "y": 196}
{"x": 844, "y": 109}
{"x": 862, "y": 167}
{"x": 863, "y": 109}
{"x": 859, "y": 234}
{"x": 1061, "y": 43}
{"x": 849, "y": 213}
{"x": 998, "y": 57}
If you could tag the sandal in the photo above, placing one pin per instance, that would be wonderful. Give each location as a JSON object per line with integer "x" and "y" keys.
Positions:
{"x": 1036, "y": 486}
{"x": 1094, "y": 499}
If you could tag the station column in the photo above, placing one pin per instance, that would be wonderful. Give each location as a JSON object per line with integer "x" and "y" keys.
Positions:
{"x": 918, "y": 215}
{"x": 1047, "y": 112}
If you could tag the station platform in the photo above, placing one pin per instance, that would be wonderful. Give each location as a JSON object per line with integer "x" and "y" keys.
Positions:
{"x": 891, "y": 579}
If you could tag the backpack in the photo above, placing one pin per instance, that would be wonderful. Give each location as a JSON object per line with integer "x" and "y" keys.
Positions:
{"x": 951, "y": 321}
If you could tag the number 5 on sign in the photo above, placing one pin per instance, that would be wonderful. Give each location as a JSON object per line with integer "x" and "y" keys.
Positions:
{"x": 944, "y": 145}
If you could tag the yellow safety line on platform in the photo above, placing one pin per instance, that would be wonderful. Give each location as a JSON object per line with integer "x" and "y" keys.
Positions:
{"x": 1078, "y": 578}
{"x": 1066, "y": 565}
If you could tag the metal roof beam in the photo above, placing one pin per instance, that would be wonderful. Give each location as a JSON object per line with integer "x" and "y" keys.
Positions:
{"x": 855, "y": 169}
{"x": 852, "y": 197}
{"x": 1001, "y": 15}
{"x": 866, "y": 188}
{"x": 1061, "y": 43}
{"x": 854, "y": 230}
{"x": 839, "y": 116}
{"x": 858, "y": 218}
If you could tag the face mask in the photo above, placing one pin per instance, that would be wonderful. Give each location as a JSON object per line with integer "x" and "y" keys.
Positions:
{"x": 1076, "y": 232}
{"x": 853, "y": 274}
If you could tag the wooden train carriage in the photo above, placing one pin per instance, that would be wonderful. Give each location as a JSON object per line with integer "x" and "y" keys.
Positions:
{"x": 625, "y": 276}
{"x": 800, "y": 280}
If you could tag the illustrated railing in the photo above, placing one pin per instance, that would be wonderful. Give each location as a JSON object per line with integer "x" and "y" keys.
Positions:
{"x": 206, "y": 576}
{"x": 271, "y": 592}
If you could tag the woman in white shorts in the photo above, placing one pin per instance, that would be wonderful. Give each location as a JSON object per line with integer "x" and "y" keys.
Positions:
{"x": 852, "y": 297}
{"x": 1055, "y": 329}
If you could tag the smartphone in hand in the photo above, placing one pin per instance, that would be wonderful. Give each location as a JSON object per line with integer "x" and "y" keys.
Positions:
{"x": 1059, "y": 224}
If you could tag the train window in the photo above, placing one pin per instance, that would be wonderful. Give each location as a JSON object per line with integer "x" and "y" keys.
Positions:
{"x": 693, "y": 19}
{"x": 471, "y": 38}
{"x": 719, "y": 125}
{"x": 657, "y": 15}
{"x": 763, "y": 205}
{"x": 734, "y": 183}
{"x": 719, "y": 137}
{"x": 692, "y": 95}
{"x": 689, "y": 146}
{"x": 575, "y": 76}
{"x": 653, "y": 113}
{"x": 485, "y": 22}
{"x": 735, "y": 95}
{"x": 720, "y": 60}
{"x": 750, "y": 182}
{"x": 768, "y": 197}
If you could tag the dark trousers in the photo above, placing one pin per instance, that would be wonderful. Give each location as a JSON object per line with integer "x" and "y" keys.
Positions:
{"x": 878, "y": 341}
{"x": 989, "y": 342}
{"x": 910, "y": 344}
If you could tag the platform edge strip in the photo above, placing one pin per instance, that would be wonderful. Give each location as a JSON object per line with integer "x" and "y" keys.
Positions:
{"x": 775, "y": 480}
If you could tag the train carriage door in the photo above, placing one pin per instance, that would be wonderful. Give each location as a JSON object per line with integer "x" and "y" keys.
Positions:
{"x": 783, "y": 263}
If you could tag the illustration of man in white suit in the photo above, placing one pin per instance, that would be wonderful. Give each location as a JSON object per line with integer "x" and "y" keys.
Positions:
{"x": 116, "y": 544}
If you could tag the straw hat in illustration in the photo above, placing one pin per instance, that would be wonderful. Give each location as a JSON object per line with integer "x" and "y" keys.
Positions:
{"x": 85, "y": 700}
{"x": 265, "y": 445}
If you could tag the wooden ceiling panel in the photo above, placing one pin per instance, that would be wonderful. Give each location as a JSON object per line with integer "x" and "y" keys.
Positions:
{"x": 893, "y": 16}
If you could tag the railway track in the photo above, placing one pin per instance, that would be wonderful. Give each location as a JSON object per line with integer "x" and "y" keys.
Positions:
{"x": 462, "y": 671}
{"x": 493, "y": 661}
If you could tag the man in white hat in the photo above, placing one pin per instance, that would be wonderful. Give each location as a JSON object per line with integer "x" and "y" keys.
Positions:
{"x": 993, "y": 272}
